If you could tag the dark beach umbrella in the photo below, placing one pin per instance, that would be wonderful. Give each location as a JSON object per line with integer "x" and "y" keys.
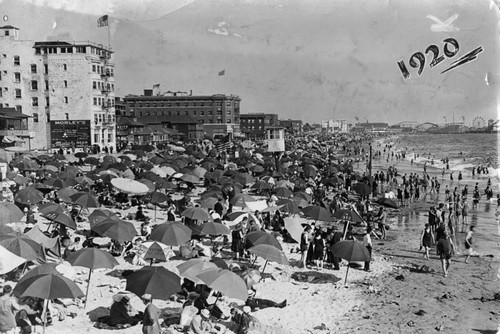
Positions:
{"x": 190, "y": 178}
{"x": 91, "y": 161}
{"x": 303, "y": 195}
{"x": 362, "y": 189}
{"x": 50, "y": 208}
{"x": 66, "y": 193}
{"x": 317, "y": 213}
{"x": 351, "y": 251}
{"x": 196, "y": 213}
{"x": 154, "y": 250}
{"x": 41, "y": 269}
{"x": 29, "y": 196}
{"x": 56, "y": 183}
{"x": 85, "y": 200}
{"x": 10, "y": 213}
{"x": 283, "y": 192}
{"x": 84, "y": 179}
{"x": 4, "y": 230}
{"x": 47, "y": 286}
{"x": 387, "y": 202}
{"x": 287, "y": 205}
{"x": 23, "y": 247}
{"x": 349, "y": 215}
{"x": 171, "y": 233}
{"x": 101, "y": 214}
{"x": 159, "y": 282}
{"x": 61, "y": 218}
{"x": 213, "y": 228}
{"x": 300, "y": 202}
{"x": 240, "y": 200}
{"x": 115, "y": 229}
{"x": 43, "y": 188}
{"x": 91, "y": 258}
{"x": 226, "y": 282}
{"x": 310, "y": 171}
{"x": 81, "y": 155}
{"x": 261, "y": 185}
{"x": 264, "y": 238}
{"x": 208, "y": 203}
{"x": 244, "y": 178}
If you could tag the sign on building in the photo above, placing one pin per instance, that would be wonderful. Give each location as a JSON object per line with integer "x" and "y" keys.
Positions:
{"x": 70, "y": 133}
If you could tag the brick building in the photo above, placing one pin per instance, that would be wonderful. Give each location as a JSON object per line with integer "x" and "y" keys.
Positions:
{"x": 254, "y": 125}
{"x": 58, "y": 84}
{"x": 205, "y": 109}
{"x": 292, "y": 127}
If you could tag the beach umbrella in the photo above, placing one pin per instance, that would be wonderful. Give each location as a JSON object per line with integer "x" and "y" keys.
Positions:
{"x": 269, "y": 253}
{"x": 190, "y": 178}
{"x": 61, "y": 218}
{"x": 303, "y": 195}
{"x": 196, "y": 213}
{"x": 29, "y": 196}
{"x": 115, "y": 229}
{"x": 193, "y": 267}
{"x": 66, "y": 193}
{"x": 244, "y": 178}
{"x": 387, "y": 202}
{"x": 362, "y": 189}
{"x": 91, "y": 258}
{"x": 349, "y": 215}
{"x": 283, "y": 192}
{"x": 9, "y": 261}
{"x": 101, "y": 214}
{"x": 4, "y": 230}
{"x": 23, "y": 247}
{"x": 159, "y": 282}
{"x": 208, "y": 202}
{"x": 317, "y": 213}
{"x": 264, "y": 238}
{"x": 91, "y": 161}
{"x": 85, "y": 200}
{"x": 351, "y": 251}
{"x": 251, "y": 277}
{"x": 85, "y": 180}
{"x": 81, "y": 155}
{"x": 269, "y": 179}
{"x": 56, "y": 183}
{"x": 154, "y": 250}
{"x": 47, "y": 286}
{"x": 10, "y": 213}
{"x": 300, "y": 202}
{"x": 129, "y": 186}
{"x": 240, "y": 200}
{"x": 310, "y": 171}
{"x": 213, "y": 228}
{"x": 226, "y": 282}
{"x": 41, "y": 269}
{"x": 171, "y": 233}
{"x": 261, "y": 185}
{"x": 44, "y": 188}
{"x": 150, "y": 184}
{"x": 21, "y": 180}
{"x": 287, "y": 205}
{"x": 293, "y": 225}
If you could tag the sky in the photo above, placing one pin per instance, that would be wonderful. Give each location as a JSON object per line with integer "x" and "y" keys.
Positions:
{"x": 308, "y": 59}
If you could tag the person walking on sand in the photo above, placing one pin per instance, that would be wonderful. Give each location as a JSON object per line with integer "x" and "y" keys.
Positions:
{"x": 426, "y": 240}
{"x": 367, "y": 242}
{"x": 468, "y": 243}
{"x": 381, "y": 218}
{"x": 8, "y": 308}
{"x": 465, "y": 214}
{"x": 445, "y": 249}
{"x": 319, "y": 250}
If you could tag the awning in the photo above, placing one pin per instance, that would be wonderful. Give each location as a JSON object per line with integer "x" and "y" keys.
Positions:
{"x": 12, "y": 139}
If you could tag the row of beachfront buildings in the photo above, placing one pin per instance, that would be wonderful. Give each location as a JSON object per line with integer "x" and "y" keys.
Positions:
{"x": 56, "y": 94}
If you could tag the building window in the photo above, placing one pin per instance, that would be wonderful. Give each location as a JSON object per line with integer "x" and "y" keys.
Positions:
{"x": 7, "y": 32}
{"x": 67, "y": 116}
{"x": 65, "y": 67}
{"x": 47, "y": 102}
{"x": 35, "y": 118}
{"x": 228, "y": 121}
{"x": 17, "y": 77}
{"x": 65, "y": 99}
{"x": 194, "y": 113}
{"x": 34, "y": 85}
{"x": 33, "y": 68}
{"x": 19, "y": 108}
{"x": 45, "y": 68}
{"x": 46, "y": 84}
{"x": 65, "y": 84}
{"x": 34, "y": 101}
{"x": 202, "y": 113}
{"x": 17, "y": 61}
{"x": 228, "y": 112}
{"x": 96, "y": 137}
{"x": 94, "y": 85}
{"x": 18, "y": 93}
{"x": 93, "y": 68}
{"x": 210, "y": 113}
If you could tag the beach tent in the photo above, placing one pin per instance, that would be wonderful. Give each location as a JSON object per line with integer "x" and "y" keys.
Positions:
{"x": 9, "y": 261}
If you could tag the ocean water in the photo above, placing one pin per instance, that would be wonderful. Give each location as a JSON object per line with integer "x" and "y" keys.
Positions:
{"x": 464, "y": 151}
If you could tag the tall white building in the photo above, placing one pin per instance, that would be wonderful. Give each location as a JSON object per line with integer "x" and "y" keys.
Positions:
{"x": 333, "y": 125}
{"x": 66, "y": 89}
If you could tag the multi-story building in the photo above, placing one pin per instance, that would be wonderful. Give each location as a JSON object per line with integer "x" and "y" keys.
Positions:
{"x": 335, "y": 126}
{"x": 254, "y": 125}
{"x": 292, "y": 127}
{"x": 206, "y": 109}
{"x": 66, "y": 89}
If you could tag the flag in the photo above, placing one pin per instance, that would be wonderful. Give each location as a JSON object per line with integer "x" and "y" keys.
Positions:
{"x": 225, "y": 143}
{"x": 222, "y": 72}
{"x": 102, "y": 21}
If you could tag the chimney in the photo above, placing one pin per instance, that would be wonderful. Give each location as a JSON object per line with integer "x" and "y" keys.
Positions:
{"x": 148, "y": 92}
{"x": 156, "y": 90}
{"x": 190, "y": 92}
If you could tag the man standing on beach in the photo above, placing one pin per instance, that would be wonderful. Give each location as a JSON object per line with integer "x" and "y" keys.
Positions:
{"x": 468, "y": 243}
{"x": 445, "y": 248}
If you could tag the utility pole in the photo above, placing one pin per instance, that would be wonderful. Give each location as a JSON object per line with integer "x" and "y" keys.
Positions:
{"x": 370, "y": 172}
